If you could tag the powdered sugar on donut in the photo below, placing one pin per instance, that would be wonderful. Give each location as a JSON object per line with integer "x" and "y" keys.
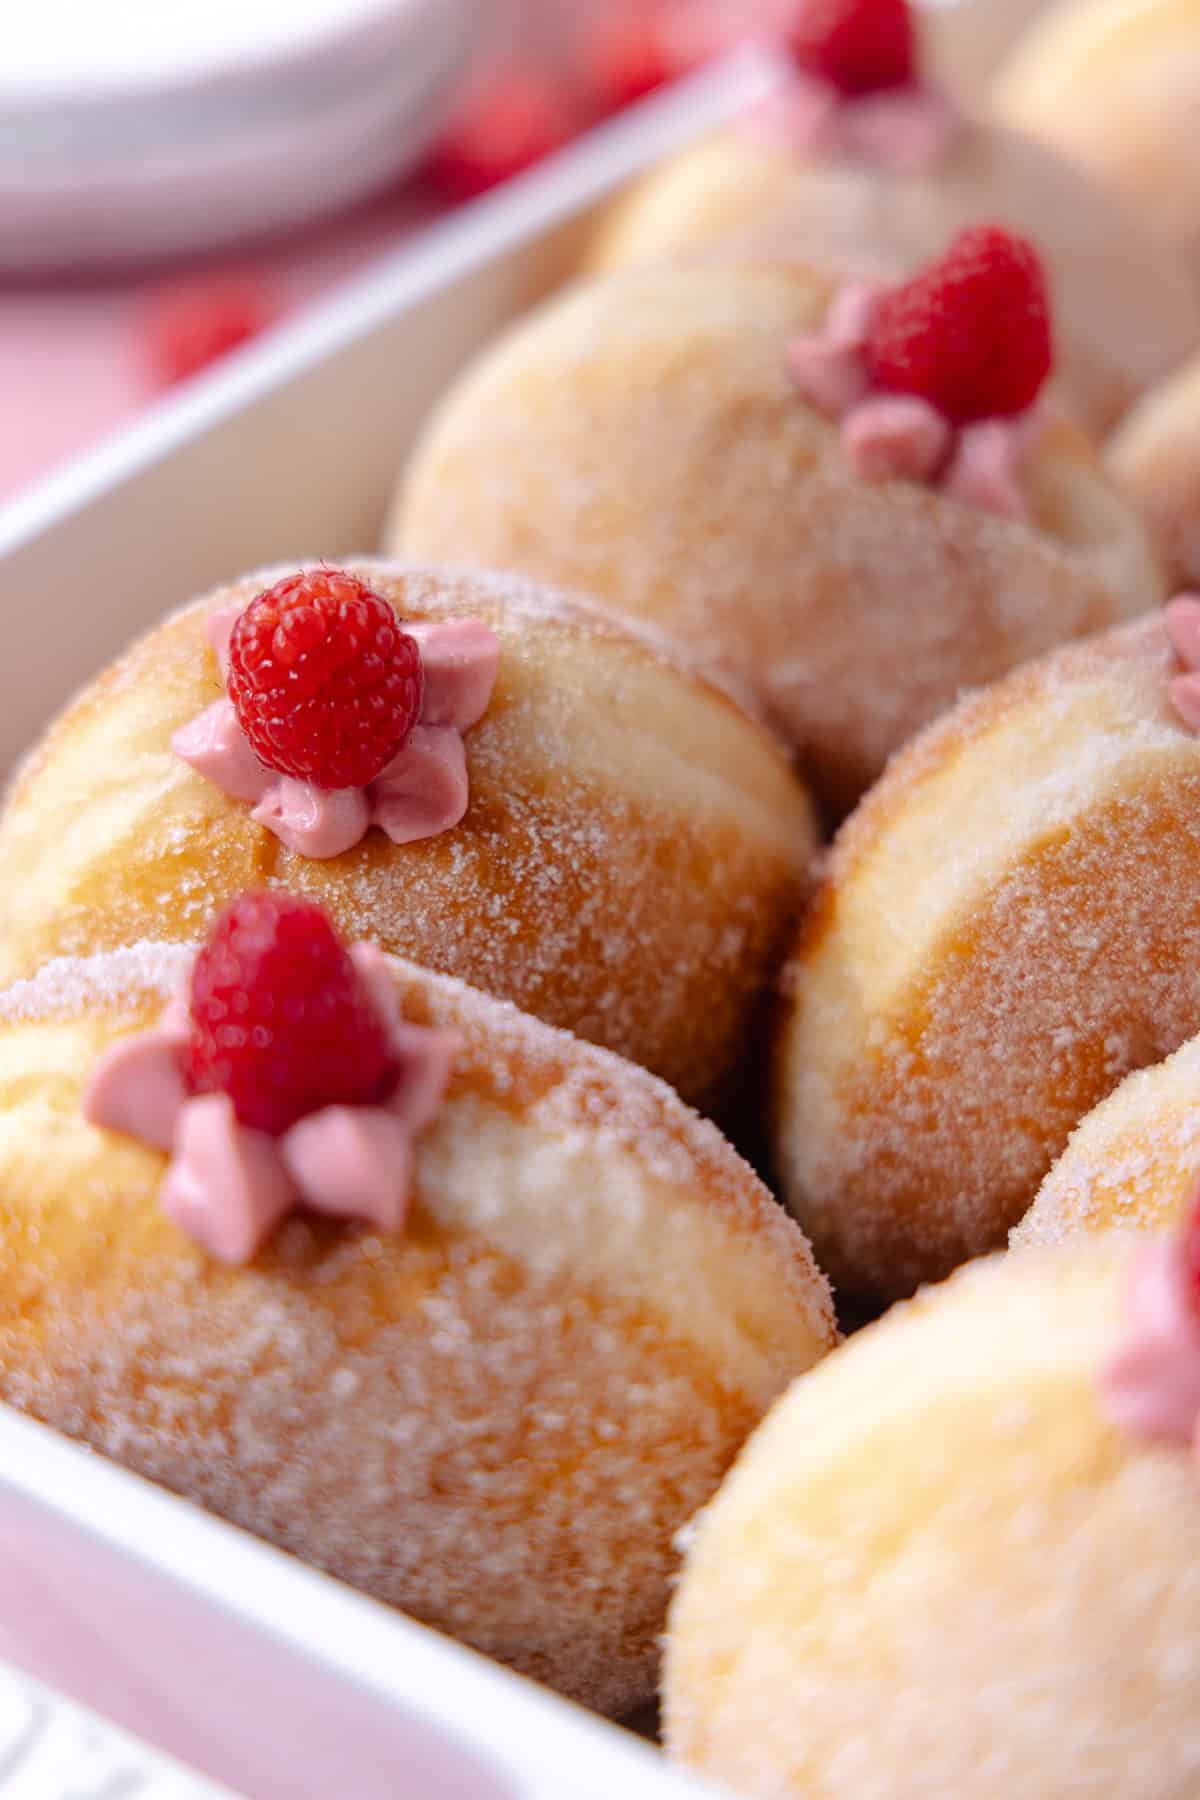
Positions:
{"x": 1130, "y": 1163}
{"x": 595, "y": 763}
{"x": 450, "y": 1419}
{"x": 738, "y": 527}
{"x": 1040, "y": 939}
{"x": 114, "y": 980}
{"x": 570, "y": 1087}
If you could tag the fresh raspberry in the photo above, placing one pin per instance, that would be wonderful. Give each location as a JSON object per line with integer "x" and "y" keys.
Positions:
{"x": 326, "y": 684}
{"x": 857, "y": 46}
{"x": 626, "y": 57}
{"x": 971, "y": 333}
{"x": 280, "y": 1018}
{"x": 507, "y": 125}
{"x": 190, "y": 325}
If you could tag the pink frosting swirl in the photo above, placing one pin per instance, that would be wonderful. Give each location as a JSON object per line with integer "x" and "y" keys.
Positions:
{"x": 903, "y": 130}
{"x": 1182, "y": 619}
{"x": 1151, "y": 1383}
{"x": 422, "y": 791}
{"x": 890, "y": 437}
{"x": 228, "y": 1187}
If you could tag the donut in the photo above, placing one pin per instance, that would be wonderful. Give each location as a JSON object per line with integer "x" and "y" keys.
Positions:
{"x": 1155, "y": 455}
{"x": 494, "y": 1413}
{"x": 1010, "y": 923}
{"x": 644, "y": 439}
{"x": 963, "y": 42}
{"x": 1131, "y": 1163}
{"x": 1114, "y": 85}
{"x": 954, "y": 1561}
{"x": 1125, "y": 305}
{"x": 646, "y": 914}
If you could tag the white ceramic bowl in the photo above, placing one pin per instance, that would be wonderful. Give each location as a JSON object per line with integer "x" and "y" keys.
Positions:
{"x": 132, "y": 130}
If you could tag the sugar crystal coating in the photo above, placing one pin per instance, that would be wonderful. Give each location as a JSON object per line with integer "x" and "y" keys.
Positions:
{"x": 593, "y": 1302}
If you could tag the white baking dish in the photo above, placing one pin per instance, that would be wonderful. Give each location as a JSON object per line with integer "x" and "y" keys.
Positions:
{"x": 265, "y": 1678}
{"x": 259, "y": 1673}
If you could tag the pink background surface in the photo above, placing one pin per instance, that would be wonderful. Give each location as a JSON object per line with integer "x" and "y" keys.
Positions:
{"x": 71, "y": 364}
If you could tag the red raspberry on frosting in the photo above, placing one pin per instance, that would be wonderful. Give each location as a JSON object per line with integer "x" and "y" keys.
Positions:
{"x": 971, "y": 333}
{"x": 280, "y": 1019}
{"x": 326, "y": 684}
{"x": 857, "y": 46}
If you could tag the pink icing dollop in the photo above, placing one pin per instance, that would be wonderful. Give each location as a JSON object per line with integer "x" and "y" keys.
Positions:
{"x": 903, "y": 130}
{"x": 228, "y": 1187}
{"x": 423, "y": 790}
{"x": 888, "y": 437}
{"x": 1151, "y": 1383}
{"x": 1182, "y": 620}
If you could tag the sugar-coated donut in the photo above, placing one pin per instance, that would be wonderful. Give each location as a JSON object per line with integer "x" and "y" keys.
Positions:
{"x": 1010, "y": 924}
{"x": 940, "y": 1567}
{"x": 495, "y": 1421}
{"x": 965, "y": 40}
{"x": 1125, "y": 308}
{"x": 1115, "y": 86}
{"x": 1155, "y": 455}
{"x": 634, "y": 852}
{"x": 641, "y": 438}
{"x": 1131, "y": 1163}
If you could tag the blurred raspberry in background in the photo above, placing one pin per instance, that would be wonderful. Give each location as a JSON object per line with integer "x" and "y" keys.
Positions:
{"x": 579, "y": 68}
{"x": 509, "y": 119}
{"x": 189, "y": 324}
{"x": 627, "y": 54}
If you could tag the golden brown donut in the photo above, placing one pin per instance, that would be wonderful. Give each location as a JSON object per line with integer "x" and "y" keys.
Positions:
{"x": 939, "y": 1568}
{"x": 1125, "y": 308}
{"x": 640, "y": 438}
{"x": 1115, "y": 85}
{"x": 1155, "y": 455}
{"x": 1131, "y": 1163}
{"x": 635, "y": 851}
{"x": 1009, "y": 924}
{"x": 496, "y": 1421}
